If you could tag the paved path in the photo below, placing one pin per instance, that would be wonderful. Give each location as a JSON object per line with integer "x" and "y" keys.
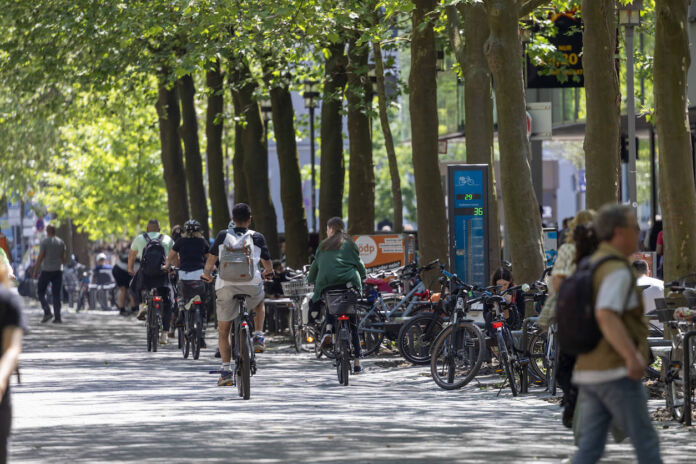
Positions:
{"x": 91, "y": 394}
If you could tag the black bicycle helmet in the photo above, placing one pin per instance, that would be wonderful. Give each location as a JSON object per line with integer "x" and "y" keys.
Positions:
{"x": 192, "y": 226}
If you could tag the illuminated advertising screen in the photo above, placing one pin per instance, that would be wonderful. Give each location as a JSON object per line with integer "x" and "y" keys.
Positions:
{"x": 468, "y": 221}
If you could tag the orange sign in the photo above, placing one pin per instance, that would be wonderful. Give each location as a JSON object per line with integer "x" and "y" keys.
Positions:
{"x": 385, "y": 251}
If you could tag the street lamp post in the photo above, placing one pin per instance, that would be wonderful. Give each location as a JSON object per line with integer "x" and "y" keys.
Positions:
{"x": 629, "y": 17}
{"x": 310, "y": 95}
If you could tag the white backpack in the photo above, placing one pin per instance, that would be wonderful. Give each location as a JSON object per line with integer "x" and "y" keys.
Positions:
{"x": 238, "y": 260}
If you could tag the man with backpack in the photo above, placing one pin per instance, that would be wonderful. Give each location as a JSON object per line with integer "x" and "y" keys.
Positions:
{"x": 610, "y": 339}
{"x": 238, "y": 252}
{"x": 152, "y": 248}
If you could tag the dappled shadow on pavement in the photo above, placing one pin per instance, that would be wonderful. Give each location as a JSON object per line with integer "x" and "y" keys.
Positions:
{"x": 91, "y": 393}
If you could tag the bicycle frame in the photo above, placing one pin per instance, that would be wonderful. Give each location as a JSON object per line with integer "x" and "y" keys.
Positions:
{"x": 409, "y": 300}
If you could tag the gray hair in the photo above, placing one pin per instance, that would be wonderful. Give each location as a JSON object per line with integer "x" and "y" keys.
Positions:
{"x": 609, "y": 217}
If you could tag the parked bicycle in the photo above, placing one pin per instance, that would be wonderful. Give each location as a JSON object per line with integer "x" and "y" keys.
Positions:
{"x": 299, "y": 291}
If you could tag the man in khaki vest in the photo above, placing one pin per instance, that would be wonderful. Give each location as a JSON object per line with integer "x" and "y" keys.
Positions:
{"x": 609, "y": 376}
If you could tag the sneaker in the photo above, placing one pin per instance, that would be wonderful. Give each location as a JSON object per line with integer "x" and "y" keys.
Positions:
{"x": 259, "y": 343}
{"x": 217, "y": 353}
{"x": 142, "y": 313}
{"x": 164, "y": 339}
{"x": 203, "y": 345}
{"x": 46, "y": 318}
{"x": 122, "y": 312}
{"x": 57, "y": 321}
{"x": 357, "y": 369}
{"x": 226, "y": 379}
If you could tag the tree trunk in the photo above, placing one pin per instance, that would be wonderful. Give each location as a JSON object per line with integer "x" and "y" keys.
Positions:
{"x": 296, "y": 232}
{"x": 677, "y": 192}
{"x": 478, "y": 105}
{"x": 332, "y": 168}
{"x": 255, "y": 164}
{"x": 388, "y": 139}
{"x": 361, "y": 174}
{"x": 172, "y": 157}
{"x": 240, "y": 185}
{"x": 522, "y": 219}
{"x": 603, "y": 128}
{"x": 213, "y": 133}
{"x": 192, "y": 150}
{"x": 430, "y": 200}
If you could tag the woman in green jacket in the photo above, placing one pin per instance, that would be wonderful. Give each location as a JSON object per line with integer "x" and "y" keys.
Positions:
{"x": 337, "y": 265}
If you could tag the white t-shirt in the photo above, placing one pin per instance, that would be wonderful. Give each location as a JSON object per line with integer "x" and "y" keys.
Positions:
{"x": 612, "y": 295}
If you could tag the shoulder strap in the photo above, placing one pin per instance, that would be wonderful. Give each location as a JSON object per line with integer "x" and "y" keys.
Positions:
{"x": 147, "y": 237}
{"x": 160, "y": 237}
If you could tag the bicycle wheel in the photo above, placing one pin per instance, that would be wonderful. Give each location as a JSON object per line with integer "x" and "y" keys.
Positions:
{"x": 554, "y": 365}
{"x": 186, "y": 348}
{"x": 244, "y": 368}
{"x": 371, "y": 338}
{"x": 343, "y": 355}
{"x": 417, "y": 335}
{"x": 538, "y": 363}
{"x": 149, "y": 338}
{"x": 297, "y": 329}
{"x": 508, "y": 367}
{"x": 197, "y": 337}
{"x": 457, "y": 355}
{"x": 674, "y": 391}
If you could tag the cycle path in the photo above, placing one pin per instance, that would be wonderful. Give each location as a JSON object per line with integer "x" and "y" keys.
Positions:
{"x": 91, "y": 393}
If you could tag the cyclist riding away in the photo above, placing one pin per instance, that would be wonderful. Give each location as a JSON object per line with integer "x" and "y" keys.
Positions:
{"x": 238, "y": 238}
{"x": 152, "y": 248}
{"x": 191, "y": 252}
{"x": 337, "y": 266}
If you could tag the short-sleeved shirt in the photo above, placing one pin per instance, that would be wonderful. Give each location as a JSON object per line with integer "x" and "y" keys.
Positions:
{"x": 140, "y": 242}
{"x": 53, "y": 249}
{"x": 565, "y": 262}
{"x": 192, "y": 251}
{"x": 258, "y": 239}
{"x": 10, "y": 316}
{"x": 652, "y": 289}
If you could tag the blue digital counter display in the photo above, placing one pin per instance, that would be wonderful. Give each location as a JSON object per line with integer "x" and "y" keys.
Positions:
{"x": 468, "y": 220}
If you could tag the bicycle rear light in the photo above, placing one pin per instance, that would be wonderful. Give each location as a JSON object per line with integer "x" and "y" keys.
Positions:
{"x": 497, "y": 325}
{"x": 244, "y": 325}
{"x": 343, "y": 318}
{"x": 157, "y": 298}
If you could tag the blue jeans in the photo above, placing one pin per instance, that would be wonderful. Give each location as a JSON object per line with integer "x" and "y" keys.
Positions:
{"x": 624, "y": 402}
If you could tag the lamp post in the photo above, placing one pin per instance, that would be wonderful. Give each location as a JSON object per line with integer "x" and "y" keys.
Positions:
{"x": 629, "y": 18}
{"x": 310, "y": 95}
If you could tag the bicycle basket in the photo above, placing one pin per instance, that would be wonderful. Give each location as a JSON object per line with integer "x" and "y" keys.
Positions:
{"x": 296, "y": 288}
{"x": 339, "y": 302}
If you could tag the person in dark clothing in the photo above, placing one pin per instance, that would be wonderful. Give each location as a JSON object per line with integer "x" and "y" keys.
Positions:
{"x": 52, "y": 256}
{"x": 274, "y": 288}
{"x": 502, "y": 277}
{"x": 11, "y": 330}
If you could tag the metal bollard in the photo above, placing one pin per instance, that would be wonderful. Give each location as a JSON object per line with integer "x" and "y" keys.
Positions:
{"x": 687, "y": 376}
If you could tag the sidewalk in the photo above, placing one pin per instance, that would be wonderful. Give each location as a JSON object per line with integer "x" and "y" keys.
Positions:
{"x": 91, "y": 393}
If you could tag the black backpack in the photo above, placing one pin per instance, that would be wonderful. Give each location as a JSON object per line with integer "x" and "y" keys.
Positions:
{"x": 578, "y": 331}
{"x": 153, "y": 257}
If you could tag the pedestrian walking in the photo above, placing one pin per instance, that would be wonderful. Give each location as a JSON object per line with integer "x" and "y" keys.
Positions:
{"x": 609, "y": 376}
{"x": 11, "y": 330}
{"x": 52, "y": 256}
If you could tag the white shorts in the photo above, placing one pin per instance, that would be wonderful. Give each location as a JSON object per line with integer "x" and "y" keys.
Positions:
{"x": 227, "y": 307}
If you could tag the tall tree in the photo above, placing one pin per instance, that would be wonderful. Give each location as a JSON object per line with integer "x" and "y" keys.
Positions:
{"x": 388, "y": 138}
{"x": 603, "y": 128}
{"x": 296, "y": 231}
{"x": 214, "y": 155}
{"x": 522, "y": 219}
{"x": 361, "y": 175}
{"x": 192, "y": 151}
{"x": 677, "y": 191}
{"x": 255, "y": 161}
{"x": 432, "y": 221}
{"x": 172, "y": 156}
{"x": 332, "y": 167}
{"x": 478, "y": 104}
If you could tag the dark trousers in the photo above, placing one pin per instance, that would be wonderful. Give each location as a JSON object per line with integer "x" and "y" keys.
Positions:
{"x": 5, "y": 425}
{"x": 55, "y": 278}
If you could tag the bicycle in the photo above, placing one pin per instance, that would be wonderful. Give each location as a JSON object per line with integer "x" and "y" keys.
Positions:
{"x": 242, "y": 348}
{"x": 458, "y": 350}
{"x": 299, "y": 291}
{"x": 342, "y": 304}
{"x": 376, "y": 319}
{"x": 543, "y": 356}
{"x": 192, "y": 313}
{"x": 153, "y": 321}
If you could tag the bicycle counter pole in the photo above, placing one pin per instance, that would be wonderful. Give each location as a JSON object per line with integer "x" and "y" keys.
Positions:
{"x": 687, "y": 376}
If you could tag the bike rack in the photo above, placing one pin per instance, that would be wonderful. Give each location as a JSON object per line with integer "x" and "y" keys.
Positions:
{"x": 687, "y": 376}
{"x": 524, "y": 341}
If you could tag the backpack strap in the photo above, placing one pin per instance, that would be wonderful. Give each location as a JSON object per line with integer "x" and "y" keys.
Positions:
{"x": 147, "y": 237}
